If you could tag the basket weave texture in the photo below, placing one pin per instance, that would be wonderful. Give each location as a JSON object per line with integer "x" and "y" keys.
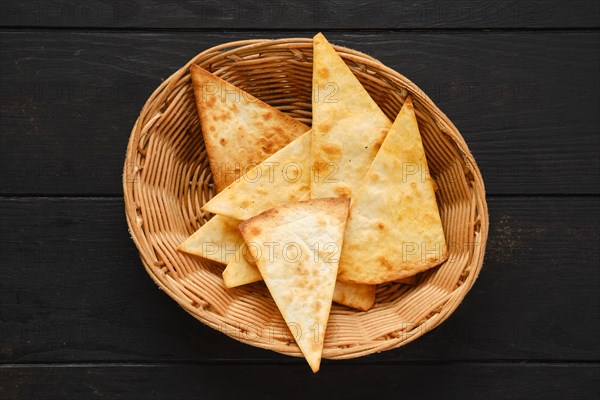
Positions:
{"x": 167, "y": 179}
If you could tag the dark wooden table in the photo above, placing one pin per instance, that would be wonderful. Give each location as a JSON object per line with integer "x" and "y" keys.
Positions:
{"x": 81, "y": 319}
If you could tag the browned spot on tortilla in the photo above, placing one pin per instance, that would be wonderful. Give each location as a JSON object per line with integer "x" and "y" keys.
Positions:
{"x": 210, "y": 101}
{"x": 255, "y": 230}
{"x": 343, "y": 191}
{"x": 223, "y": 141}
{"x": 267, "y": 116}
{"x": 224, "y": 116}
{"x": 234, "y": 107}
{"x": 432, "y": 257}
{"x": 319, "y": 166}
{"x": 321, "y": 222}
{"x": 376, "y": 146}
{"x": 374, "y": 177}
{"x": 384, "y": 262}
{"x": 413, "y": 185}
{"x": 324, "y": 127}
{"x": 380, "y": 226}
{"x": 428, "y": 218}
{"x": 266, "y": 145}
{"x": 316, "y": 307}
{"x": 292, "y": 174}
{"x": 300, "y": 283}
{"x": 324, "y": 72}
{"x": 332, "y": 150}
{"x": 278, "y": 130}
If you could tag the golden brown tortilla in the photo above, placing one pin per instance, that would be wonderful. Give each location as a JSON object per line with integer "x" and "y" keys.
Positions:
{"x": 348, "y": 127}
{"x": 218, "y": 240}
{"x": 296, "y": 247}
{"x": 394, "y": 229}
{"x": 239, "y": 130}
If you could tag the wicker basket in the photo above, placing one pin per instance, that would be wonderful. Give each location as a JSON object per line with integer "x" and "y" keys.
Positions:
{"x": 167, "y": 179}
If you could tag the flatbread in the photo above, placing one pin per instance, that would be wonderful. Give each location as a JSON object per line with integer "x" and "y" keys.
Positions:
{"x": 283, "y": 177}
{"x": 347, "y": 128}
{"x": 238, "y": 129}
{"x": 218, "y": 240}
{"x": 394, "y": 229}
{"x": 296, "y": 247}
{"x": 242, "y": 270}
{"x": 361, "y": 297}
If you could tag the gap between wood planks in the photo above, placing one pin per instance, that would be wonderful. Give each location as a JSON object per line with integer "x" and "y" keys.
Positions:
{"x": 298, "y": 361}
{"x": 333, "y": 30}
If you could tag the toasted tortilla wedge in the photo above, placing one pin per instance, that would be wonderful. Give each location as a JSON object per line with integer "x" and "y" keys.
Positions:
{"x": 238, "y": 129}
{"x": 241, "y": 270}
{"x": 394, "y": 229}
{"x": 268, "y": 185}
{"x": 296, "y": 247}
{"x": 283, "y": 177}
{"x": 347, "y": 129}
{"x": 218, "y": 240}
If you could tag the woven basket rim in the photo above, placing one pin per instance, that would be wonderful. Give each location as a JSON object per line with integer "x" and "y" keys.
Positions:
{"x": 151, "y": 112}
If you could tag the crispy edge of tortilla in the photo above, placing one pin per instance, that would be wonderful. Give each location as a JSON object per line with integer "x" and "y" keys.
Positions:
{"x": 216, "y": 240}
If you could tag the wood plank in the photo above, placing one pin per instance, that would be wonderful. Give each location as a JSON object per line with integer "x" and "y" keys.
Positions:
{"x": 73, "y": 289}
{"x": 335, "y": 380}
{"x": 301, "y": 14}
{"x": 525, "y": 102}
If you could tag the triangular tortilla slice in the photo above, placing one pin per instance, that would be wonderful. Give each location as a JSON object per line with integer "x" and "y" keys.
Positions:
{"x": 242, "y": 270}
{"x": 283, "y": 177}
{"x": 347, "y": 127}
{"x": 394, "y": 229}
{"x": 296, "y": 247}
{"x": 238, "y": 129}
{"x": 218, "y": 240}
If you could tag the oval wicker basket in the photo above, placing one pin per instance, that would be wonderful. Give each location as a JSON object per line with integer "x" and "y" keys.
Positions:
{"x": 167, "y": 179}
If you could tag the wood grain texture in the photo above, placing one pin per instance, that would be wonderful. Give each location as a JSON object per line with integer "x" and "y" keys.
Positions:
{"x": 526, "y": 103}
{"x": 301, "y": 14}
{"x": 73, "y": 289}
{"x": 452, "y": 381}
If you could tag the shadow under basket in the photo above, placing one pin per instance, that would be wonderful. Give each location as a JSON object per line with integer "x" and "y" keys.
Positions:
{"x": 167, "y": 179}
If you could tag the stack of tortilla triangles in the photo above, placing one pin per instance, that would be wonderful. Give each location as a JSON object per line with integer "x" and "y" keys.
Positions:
{"x": 323, "y": 215}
